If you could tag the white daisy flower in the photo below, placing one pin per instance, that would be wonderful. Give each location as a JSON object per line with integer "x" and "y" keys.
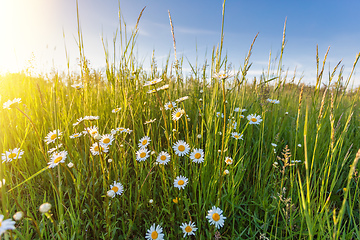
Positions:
{"x": 78, "y": 121}
{"x": 181, "y": 148}
{"x": 176, "y": 115}
{"x": 76, "y": 135}
{"x": 128, "y": 130}
{"x": 120, "y": 129}
{"x": 226, "y": 172}
{"x": 142, "y": 154}
{"x": 197, "y": 156}
{"x": 237, "y": 135}
{"x": 215, "y": 217}
{"x": 222, "y": 75}
{"x": 254, "y": 119}
{"x": 229, "y": 160}
{"x": 144, "y": 142}
{"x": 78, "y": 86}
{"x": 117, "y": 188}
{"x": 218, "y": 114}
{"x": 182, "y": 99}
{"x": 274, "y": 101}
{"x": 188, "y": 228}
{"x": 237, "y": 109}
{"x": 164, "y": 87}
{"x": 52, "y": 136}
{"x": 170, "y": 105}
{"x": 163, "y": 158}
{"x": 55, "y": 148}
{"x": 106, "y": 139}
{"x": 153, "y": 82}
{"x": 154, "y": 233}
{"x": 96, "y": 148}
{"x": 91, "y": 130}
{"x": 116, "y": 110}
{"x": 5, "y": 225}
{"x": 151, "y": 91}
{"x": 11, "y": 103}
{"x": 91, "y": 118}
{"x": 180, "y": 182}
{"x": 299, "y": 145}
{"x": 10, "y": 155}
{"x": 57, "y": 158}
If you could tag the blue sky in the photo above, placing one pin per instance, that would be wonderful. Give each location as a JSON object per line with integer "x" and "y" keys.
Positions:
{"x": 35, "y": 27}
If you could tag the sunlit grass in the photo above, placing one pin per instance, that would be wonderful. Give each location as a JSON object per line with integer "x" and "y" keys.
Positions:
{"x": 124, "y": 156}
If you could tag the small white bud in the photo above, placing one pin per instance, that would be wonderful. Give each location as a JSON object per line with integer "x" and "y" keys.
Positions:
{"x": 151, "y": 201}
{"x": 70, "y": 165}
{"x": 152, "y": 152}
{"x": 97, "y": 136}
{"x": 199, "y": 136}
{"x": 18, "y": 216}
{"x": 45, "y": 207}
{"x": 299, "y": 145}
{"x": 226, "y": 172}
{"x": 110, "y": 193}
{"x": 110, "y": 160}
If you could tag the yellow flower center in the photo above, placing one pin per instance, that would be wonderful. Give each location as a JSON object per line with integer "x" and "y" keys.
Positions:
{"x": 253, "y": 119}
{"x": 188, "y": 229}
{"x": 53, "y": 136}
{"x": 154, "y": 235}
{"x": 170, "y": 105}
{"x": 115, "y": 188}
{"x": 76, "y": 135}
{"x": 181, "y": 182}
{"x": 236, "y": 136}
{"x": 106, "y": 140}
{"x": 142, "y": 155}
{"x": 117, "y": 109}
{"x": 176, "y": 200}
{"x": 228, "y": 161}
{"x": 163, "y": 158}
{"x": 58, "y": 159}
{"x": 144, "y": 142}
{"x": 181, "y": 148}
{"x": 93, "y": 132}
{"x": 197, "y": 155}
{"x": 0, "y": 224}
{"x": 12, "y": 155}
{"x": 178, "y": 114}
{"x": 96, "y": 148}
{"x": 121, "y": 129}
{"x": 216, "y": 217}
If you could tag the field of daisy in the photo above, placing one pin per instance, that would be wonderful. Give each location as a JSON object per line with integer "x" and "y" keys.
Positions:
{"x": 134, "y": 154}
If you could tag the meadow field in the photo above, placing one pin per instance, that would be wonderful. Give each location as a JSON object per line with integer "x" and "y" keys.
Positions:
{"x": 133, "y": 154}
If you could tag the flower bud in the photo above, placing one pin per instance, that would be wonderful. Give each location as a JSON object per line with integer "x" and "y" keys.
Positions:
{"x": 45, "y": 207}
{"x": 110, "y": 193}
{"x": 18, "y": 216}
